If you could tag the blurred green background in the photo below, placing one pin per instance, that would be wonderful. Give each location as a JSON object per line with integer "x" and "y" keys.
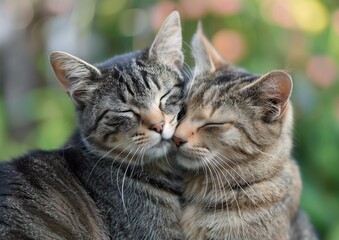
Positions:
{"x": 299, "y": 35}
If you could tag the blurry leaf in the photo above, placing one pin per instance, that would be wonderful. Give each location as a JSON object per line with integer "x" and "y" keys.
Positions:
{"x": 333, "y": 232}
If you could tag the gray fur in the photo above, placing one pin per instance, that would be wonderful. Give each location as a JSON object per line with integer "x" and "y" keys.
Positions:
{"x": 113, "y": 179}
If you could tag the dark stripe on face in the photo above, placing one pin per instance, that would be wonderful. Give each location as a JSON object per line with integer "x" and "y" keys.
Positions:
{"x": 108, "y": 134}
{"x": 129, "y": 88}
{"x": 122, "y": 96}
{"x": 99, "y": 118}
{"x": 244, "y": 130}
{"x": 155, "y": 81}
{"x": 144, "y": 78}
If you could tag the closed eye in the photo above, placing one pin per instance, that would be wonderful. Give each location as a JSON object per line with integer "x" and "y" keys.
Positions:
{"x": 126, "y": 111}
{"x": 216, "y": 124}
{"x": 129, "y": 111}
{"x": 168, "y": 92}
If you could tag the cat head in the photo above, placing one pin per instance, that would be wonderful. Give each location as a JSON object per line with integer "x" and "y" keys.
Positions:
{"x": 128, "y": 105}
{"x": 231, "y": 114}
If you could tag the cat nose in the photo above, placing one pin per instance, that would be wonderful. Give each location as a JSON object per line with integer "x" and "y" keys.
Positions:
{"x": 178, "y": 141}
{"x": 158, "y": 127}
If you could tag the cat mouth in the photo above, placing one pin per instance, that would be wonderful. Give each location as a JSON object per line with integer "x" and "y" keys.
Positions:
{"x": 158, "y": 150}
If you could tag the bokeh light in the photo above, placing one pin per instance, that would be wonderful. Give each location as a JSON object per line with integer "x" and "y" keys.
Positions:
{"x": 335, "y": 21}
{"x": 225, "y": 7}
{"x": 160, "y": 11}
{"x": 56, "y": 7}
{"x": 19, "y": 12}
{"x": 310, "y": 15}
{"x": 193, "y": 9}
{"x": 322, "y": 70}
{"x": 230, "y": 44}
{"x": 279, "y": 11}
{"x": 109, "y": 7}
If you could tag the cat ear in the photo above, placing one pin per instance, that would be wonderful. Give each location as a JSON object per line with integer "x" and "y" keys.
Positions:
{"x": 207, "y": 59}
{"x": 275, "y": 89}
{"x": 74, "y": 75}
{"x": 166, "y": 47}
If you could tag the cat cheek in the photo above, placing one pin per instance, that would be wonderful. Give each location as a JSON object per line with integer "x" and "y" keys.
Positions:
{"x": 231, "y": 137}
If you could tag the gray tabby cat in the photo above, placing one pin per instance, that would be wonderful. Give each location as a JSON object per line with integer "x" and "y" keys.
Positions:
{"x": 235, "y": 142}
{"x": 112, "y": 179}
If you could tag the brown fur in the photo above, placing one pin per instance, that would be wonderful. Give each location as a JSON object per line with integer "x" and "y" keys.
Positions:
{"x": 235, "y": 142}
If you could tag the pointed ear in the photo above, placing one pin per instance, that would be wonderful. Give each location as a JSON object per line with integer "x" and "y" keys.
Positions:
{"x": 166, "y": 47}
{"x": 207, "y": 59}
{"x": 74, "y": 75}
{"x": 274, "y": 90}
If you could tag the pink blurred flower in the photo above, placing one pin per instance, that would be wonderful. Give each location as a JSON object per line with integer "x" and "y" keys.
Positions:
{"x": 193, "y": 9}
{"x": 160, "y": 11}
{"x": 230, "y": 44}
{"x": 56, "y": 7}
{"x": 321, "y": 70}
{"x": 225, "y": 7}
{"x": 280, "y": 11}
{"x": 19, "y": 14}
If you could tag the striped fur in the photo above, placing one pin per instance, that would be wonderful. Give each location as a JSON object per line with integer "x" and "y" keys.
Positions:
{"x": 235, "y": 142}
{"x": 113, "y": 178}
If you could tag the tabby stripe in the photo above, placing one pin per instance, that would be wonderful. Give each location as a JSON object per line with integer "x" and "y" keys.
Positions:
{"x": 155, "y": 81}
{"x": 129, "y": 88}
{"x": 122, "y": 97}
{"x": 249, "y": 137}
{"x": 101, "y": 116}
{"x": 143, "y": 76}
{"x": 54, "y": 226}
{"x": 108, "y": 134}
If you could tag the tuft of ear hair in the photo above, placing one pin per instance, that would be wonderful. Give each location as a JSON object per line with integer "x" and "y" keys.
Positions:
{"x": 207, "y": 59}
{"x": 275, "y": 88}
{"x": 74, "y": 75}
{"x": 166, "y": 47}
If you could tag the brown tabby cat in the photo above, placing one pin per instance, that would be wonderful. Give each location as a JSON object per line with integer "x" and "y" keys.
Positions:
{"x": 235, "y": 142}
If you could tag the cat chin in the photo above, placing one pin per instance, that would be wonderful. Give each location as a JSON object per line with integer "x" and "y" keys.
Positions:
{"x": 158, "y": 151}
{"x": 189, "y": 163}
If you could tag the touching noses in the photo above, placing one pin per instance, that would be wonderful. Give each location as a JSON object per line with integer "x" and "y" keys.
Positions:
{"x": 158, "y": 127}
{"x": 178, "y": 141}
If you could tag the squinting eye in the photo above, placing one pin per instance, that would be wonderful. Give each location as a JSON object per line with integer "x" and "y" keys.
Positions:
{"x": 165, "y": 95}
{"x": 130, "y": 111}
{"x": 126, "y": 111}
{"x": 216, "y": 124}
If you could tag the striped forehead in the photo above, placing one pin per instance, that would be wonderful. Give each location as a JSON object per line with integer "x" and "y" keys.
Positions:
{"x": 213, "y": 88}
{"x": 135, "y": 81}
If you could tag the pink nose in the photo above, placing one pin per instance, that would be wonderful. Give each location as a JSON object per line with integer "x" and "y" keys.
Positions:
{"x": 158, "y": 127}
{"x": 178, "y": 141}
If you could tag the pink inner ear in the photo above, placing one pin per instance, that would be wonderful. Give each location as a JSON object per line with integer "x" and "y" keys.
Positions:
{"x": 279, "y": 84}
{"x": 60, "y": 74}
{"x": 284, "y": 82}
